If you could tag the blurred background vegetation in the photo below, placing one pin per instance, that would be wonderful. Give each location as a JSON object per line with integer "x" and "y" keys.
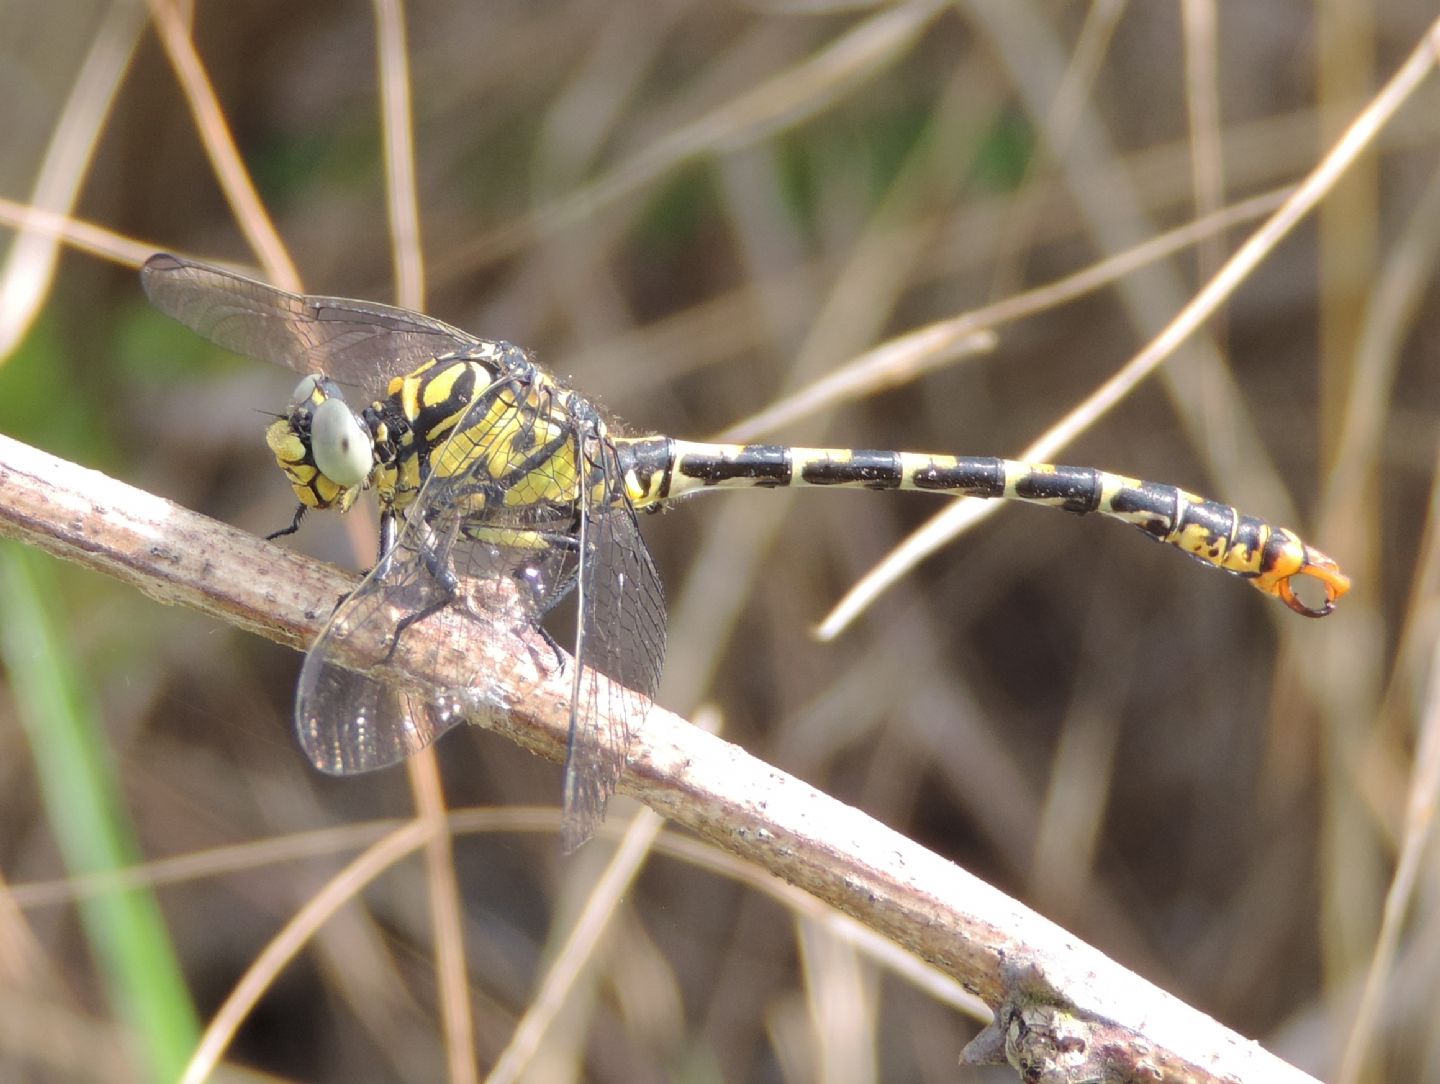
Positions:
{"x": 692, "y": 210}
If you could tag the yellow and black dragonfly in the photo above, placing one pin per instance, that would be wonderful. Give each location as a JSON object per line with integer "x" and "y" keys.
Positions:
{"x": 502, "y": 492}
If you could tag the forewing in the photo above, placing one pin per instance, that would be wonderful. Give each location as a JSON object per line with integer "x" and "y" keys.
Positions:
{"x": 358, "y": 342}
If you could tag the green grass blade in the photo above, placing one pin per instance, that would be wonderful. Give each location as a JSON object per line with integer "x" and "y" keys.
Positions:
{"x": 125, "y": 928}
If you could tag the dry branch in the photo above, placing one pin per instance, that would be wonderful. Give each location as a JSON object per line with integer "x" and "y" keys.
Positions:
{"x": 1064, "y": 1012}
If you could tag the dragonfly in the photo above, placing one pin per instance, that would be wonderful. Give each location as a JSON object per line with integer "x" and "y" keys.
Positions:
{"x": 502, "y": 491}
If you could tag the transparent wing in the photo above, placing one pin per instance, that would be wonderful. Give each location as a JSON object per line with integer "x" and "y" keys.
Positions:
{"x": 619, "y": 654}
{"x": 357, "y": 342}
{"x": 347, "y": 720}
{"x": 449, "y": 556}
{"x": 504, "y": 518}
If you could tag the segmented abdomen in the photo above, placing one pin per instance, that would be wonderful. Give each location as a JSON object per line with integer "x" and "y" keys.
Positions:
{"x": 660, "y": 469}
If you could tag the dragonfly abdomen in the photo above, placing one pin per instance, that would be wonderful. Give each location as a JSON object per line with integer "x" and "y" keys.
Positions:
{"x": 660, "y": 468}
{"x": 675, "y": 468}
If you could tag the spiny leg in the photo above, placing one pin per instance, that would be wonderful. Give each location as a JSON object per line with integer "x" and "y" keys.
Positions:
{"x": 436, "y": 560}
{"x": 550, "y": 597}
{"x": 300, "y": 511}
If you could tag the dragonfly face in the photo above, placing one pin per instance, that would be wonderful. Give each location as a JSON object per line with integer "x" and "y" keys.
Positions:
{"x": 326, "y": 451}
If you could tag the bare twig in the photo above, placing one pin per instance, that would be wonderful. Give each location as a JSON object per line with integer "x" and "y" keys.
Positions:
{"x": 1061, "y": 1006}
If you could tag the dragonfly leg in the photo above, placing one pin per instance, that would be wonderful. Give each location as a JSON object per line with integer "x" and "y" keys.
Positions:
{"x": 436, "y": 561}
{"x": 552, "y": 644}
{"x": 294, "y": 525}
{"x": 557, "y": 594}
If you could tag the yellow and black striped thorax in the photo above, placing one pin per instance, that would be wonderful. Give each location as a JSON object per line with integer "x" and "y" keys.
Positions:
{"x": 491, "y": 428}
{"x": 488, "y": 426}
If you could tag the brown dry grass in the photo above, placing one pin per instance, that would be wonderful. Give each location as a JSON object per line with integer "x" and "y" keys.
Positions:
{"x": 696, "y": 211}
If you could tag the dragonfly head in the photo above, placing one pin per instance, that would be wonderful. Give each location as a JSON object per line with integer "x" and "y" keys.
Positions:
{"x": 324, "y": 447}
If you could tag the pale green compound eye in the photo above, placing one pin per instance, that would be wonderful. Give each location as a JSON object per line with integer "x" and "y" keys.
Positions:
{"x": 340, "y": 443}
{"x": 305, "y": 388}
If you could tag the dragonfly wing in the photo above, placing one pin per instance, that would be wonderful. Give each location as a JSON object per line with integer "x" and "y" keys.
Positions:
{"x": 619, "y": 653}
{"x": 497, "y": 567}
{"x": 534, "y": 532}
{"x": 349, "y": 723}
{"x": 359, "y": 342}
{"x": 347, "y": 720}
